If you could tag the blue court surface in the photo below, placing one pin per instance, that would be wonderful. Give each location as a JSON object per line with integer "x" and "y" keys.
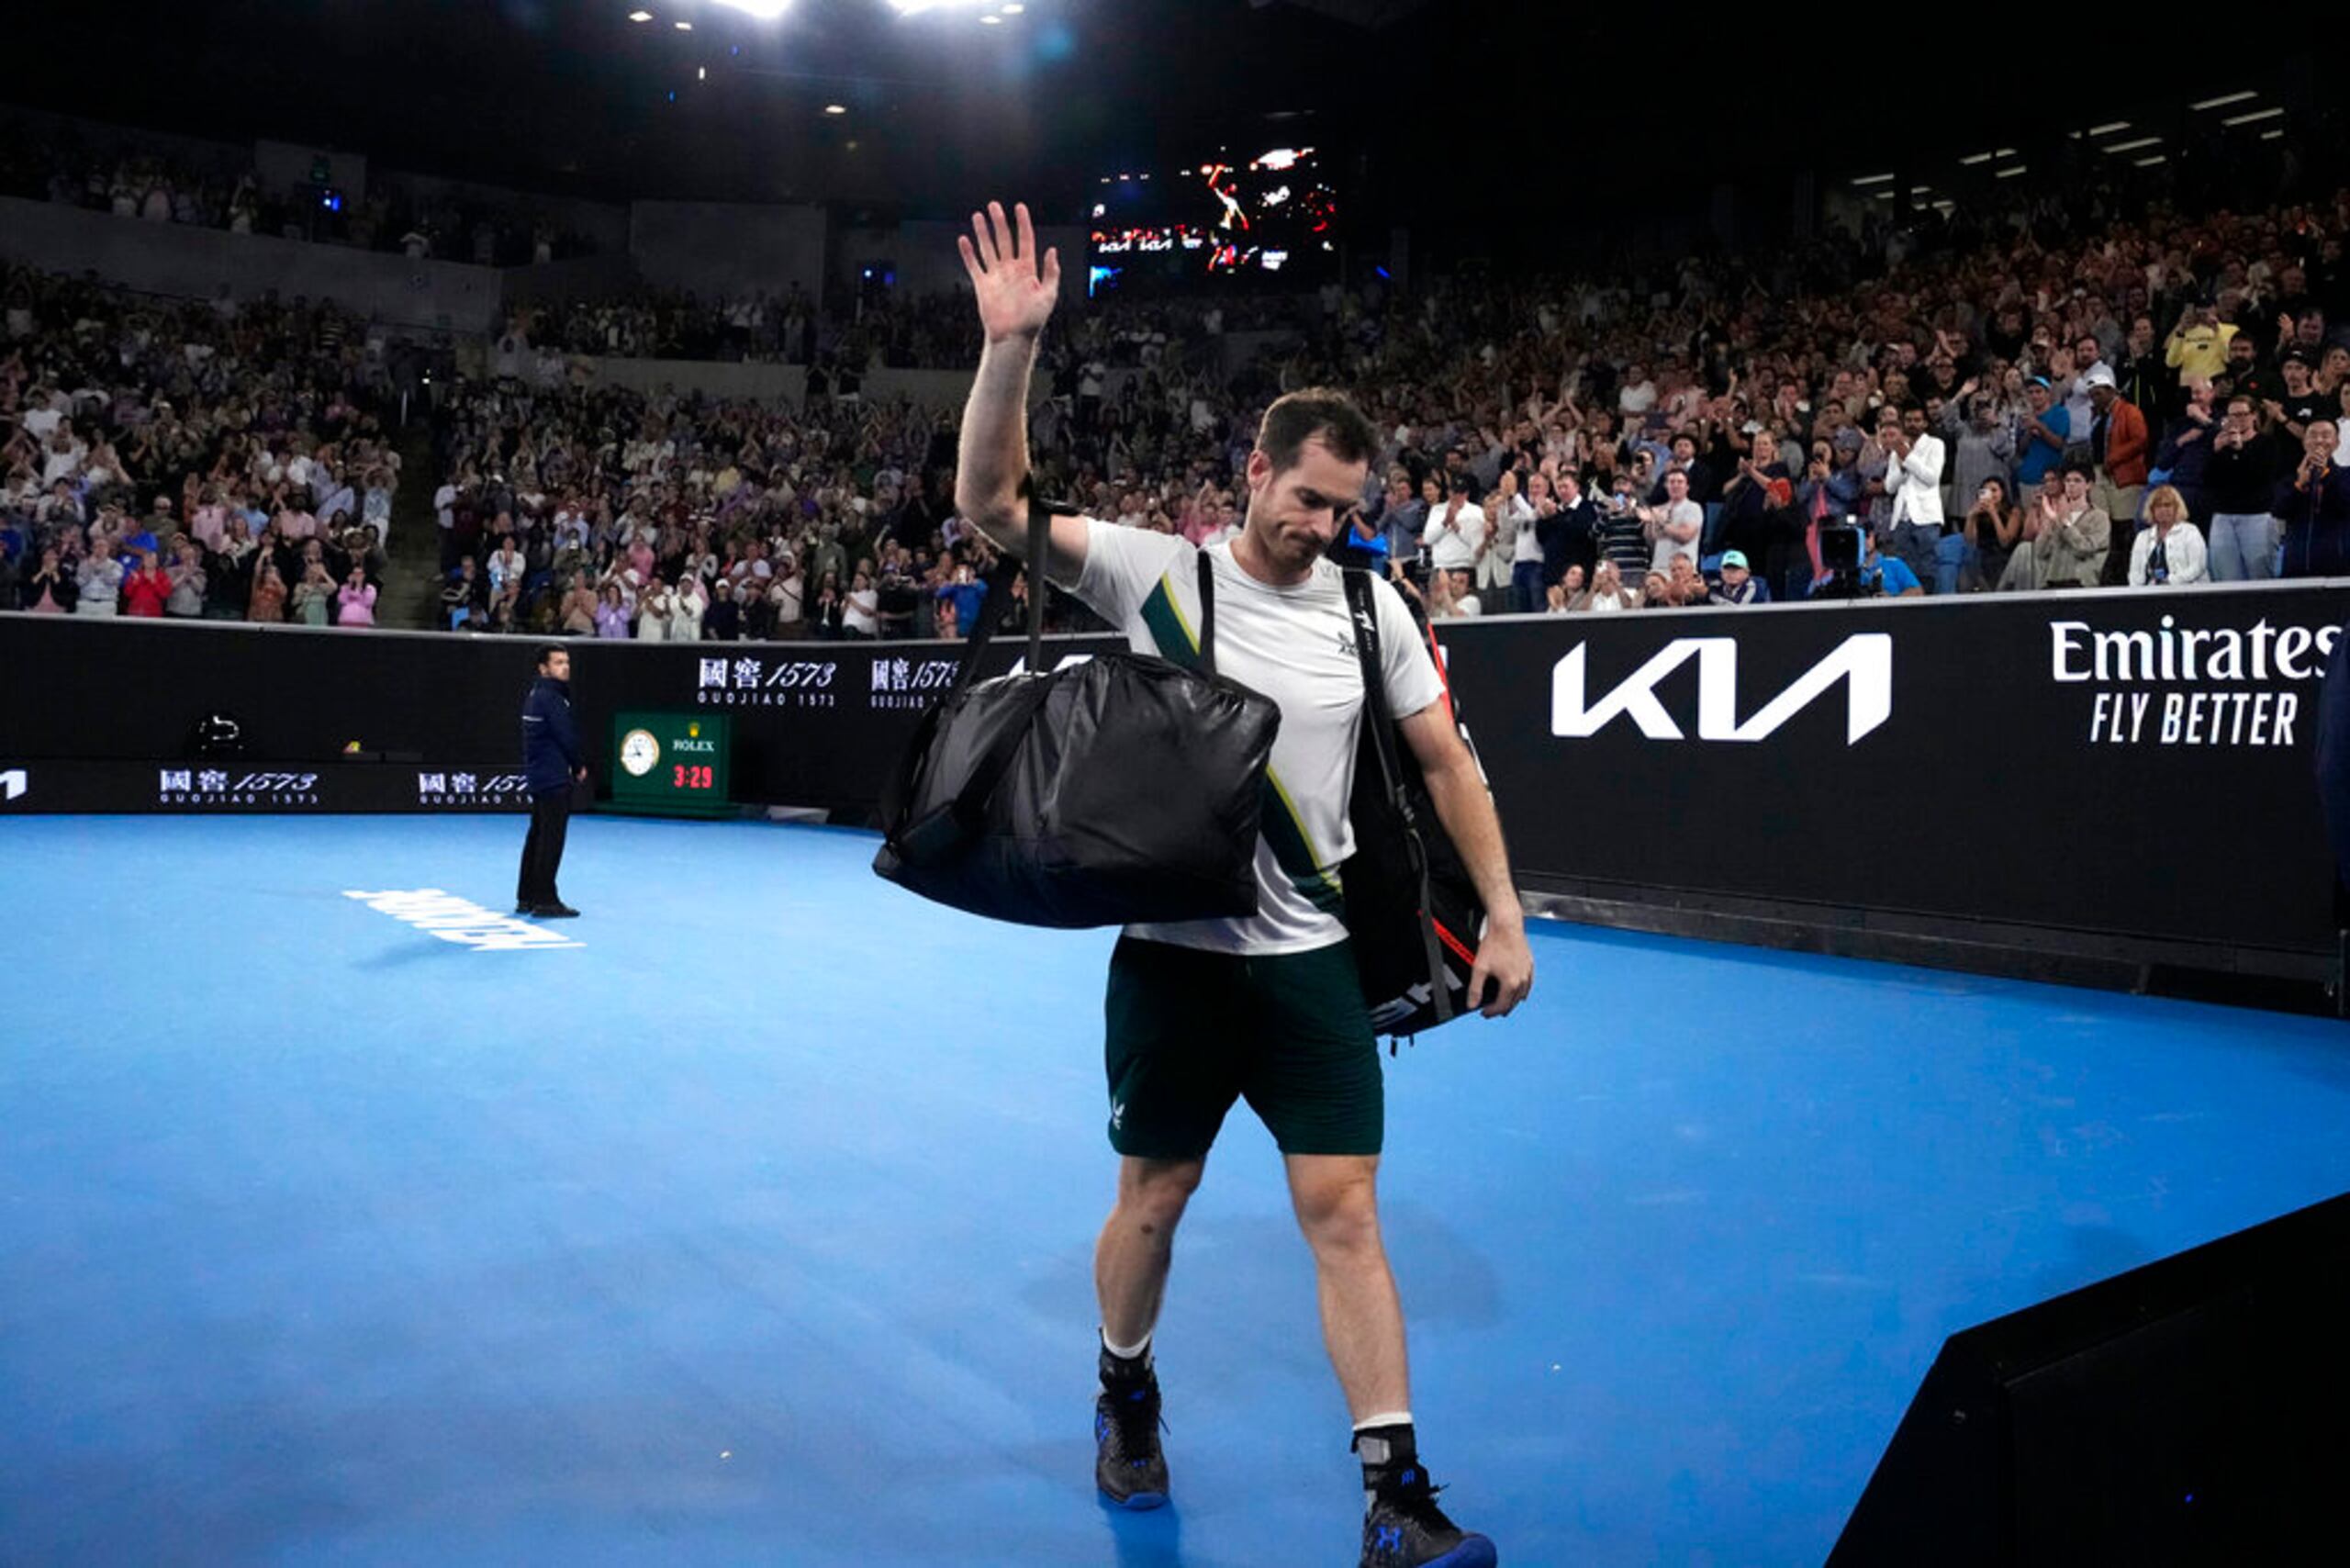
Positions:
{"x": 756, "y": 1227}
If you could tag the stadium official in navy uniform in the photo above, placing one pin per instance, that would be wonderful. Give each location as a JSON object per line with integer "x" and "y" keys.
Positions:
{"x": 552, "y": 763}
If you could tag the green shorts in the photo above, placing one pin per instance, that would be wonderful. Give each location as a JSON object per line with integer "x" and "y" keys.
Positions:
{"x": 1192, "y": 1030}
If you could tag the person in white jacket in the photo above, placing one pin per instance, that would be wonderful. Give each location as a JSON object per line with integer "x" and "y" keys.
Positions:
{"x": 652, "y": 612}
{"x": 687, "y": 605}
{"x": 2169, "y": 552}
{"x": 1913, "y": 482}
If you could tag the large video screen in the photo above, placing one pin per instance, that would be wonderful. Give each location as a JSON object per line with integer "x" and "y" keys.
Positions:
{"x": 1274, "y": 213}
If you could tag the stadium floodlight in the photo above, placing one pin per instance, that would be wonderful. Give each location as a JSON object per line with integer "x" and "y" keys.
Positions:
{"x": 1872, "y": 179}
{"x": 2133, "y": 146}
{"x": 2223, "y": 101}
{"x": 640, "y": 16}
{"x": 2150, "y": 162}
{"x": 2108, "y": 128}
{"x": 1974, "y": 158}
{"x": 2271, "y": 135}
{"x": 836, "y": 108}
{"x": 761, "y": 10}
{"x": 2255, "y": 115}
{"x": 2008, "y": 173}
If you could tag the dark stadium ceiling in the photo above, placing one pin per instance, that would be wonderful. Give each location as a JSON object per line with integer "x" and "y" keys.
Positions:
{"x": 1467, "y": 111}
{"x": 575, "y": 94}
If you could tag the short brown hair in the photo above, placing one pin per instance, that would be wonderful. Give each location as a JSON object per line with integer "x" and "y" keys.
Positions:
{"x": 1315, "y": 413}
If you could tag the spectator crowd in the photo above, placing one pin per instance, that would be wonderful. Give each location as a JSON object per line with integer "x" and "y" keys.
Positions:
{"x": 2149, "y": 399}
{"x": 2093, "y": 395}
{"x": 198, "y": 461}
{"x": 2075, "y": 398}
{"x": 612, "y": 514}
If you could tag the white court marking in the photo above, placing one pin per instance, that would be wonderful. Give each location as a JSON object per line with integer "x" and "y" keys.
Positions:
{"x": 453, "y": 918}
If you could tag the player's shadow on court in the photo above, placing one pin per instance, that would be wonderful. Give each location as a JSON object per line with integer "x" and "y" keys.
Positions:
{"x": 423, "y": 950}
{"x": 1151, "y": 1540}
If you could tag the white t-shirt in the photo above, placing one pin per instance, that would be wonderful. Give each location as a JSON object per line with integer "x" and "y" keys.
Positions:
{"x": 1294, "y": 645}
{"x": 860, "y": 611}
{"x": 1454, "y": 549}
{"x": 1525, "y": 542}
{"x": 1667, "y": 547}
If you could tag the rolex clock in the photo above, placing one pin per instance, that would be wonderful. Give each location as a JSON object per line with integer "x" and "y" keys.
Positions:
{"x": 671, "y": 763}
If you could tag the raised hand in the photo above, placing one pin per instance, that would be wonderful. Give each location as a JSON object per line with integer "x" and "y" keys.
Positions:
{"x": 1015, "y": 297}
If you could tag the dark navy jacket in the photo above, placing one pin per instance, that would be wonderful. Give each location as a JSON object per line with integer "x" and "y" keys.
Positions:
{"x": 2317, "y": 524}
{"x": 550, "y": 736}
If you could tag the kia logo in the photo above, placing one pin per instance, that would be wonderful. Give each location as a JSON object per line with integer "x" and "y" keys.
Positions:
{"x": 1862, "y": 661}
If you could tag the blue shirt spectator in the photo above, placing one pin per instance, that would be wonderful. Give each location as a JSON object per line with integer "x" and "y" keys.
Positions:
{"x": 1890, "y": 575}
{"x": 968, "y": 597}
{"x": 1366, "y": 540}
{"x": 2036, "y": 458}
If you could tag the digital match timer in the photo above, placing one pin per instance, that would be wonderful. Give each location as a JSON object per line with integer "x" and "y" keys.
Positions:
{"x": 672, "y": 763}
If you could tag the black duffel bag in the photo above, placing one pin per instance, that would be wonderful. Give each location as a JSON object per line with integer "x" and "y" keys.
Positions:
{"x": 1121, "y": 789}
{"x": 1413, "y": 914}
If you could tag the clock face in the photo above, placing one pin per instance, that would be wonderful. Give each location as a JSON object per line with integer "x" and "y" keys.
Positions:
{"x": 640, "y": 752}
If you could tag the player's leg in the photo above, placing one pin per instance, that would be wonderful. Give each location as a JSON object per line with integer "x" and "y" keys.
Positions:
{"x": 1170, "y": 1083}
{"x": 1336, "y": 1200}
{"x": 1316, "y": 1082}
{"x": 1137, "y": 1248}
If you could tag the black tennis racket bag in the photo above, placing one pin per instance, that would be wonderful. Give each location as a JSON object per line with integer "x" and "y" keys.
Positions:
{"x": 1413, "y": 912}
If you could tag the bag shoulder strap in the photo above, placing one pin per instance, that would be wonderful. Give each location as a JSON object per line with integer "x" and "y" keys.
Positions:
{"x": 1041, "y": 513}
{"x": 1364, "y": 611}
{"x": 1040, "y": 544}
{"x": 1207, "y": 615}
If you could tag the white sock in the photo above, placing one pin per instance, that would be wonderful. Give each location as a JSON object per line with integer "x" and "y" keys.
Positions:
{"x": 1141, "y": 1348}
